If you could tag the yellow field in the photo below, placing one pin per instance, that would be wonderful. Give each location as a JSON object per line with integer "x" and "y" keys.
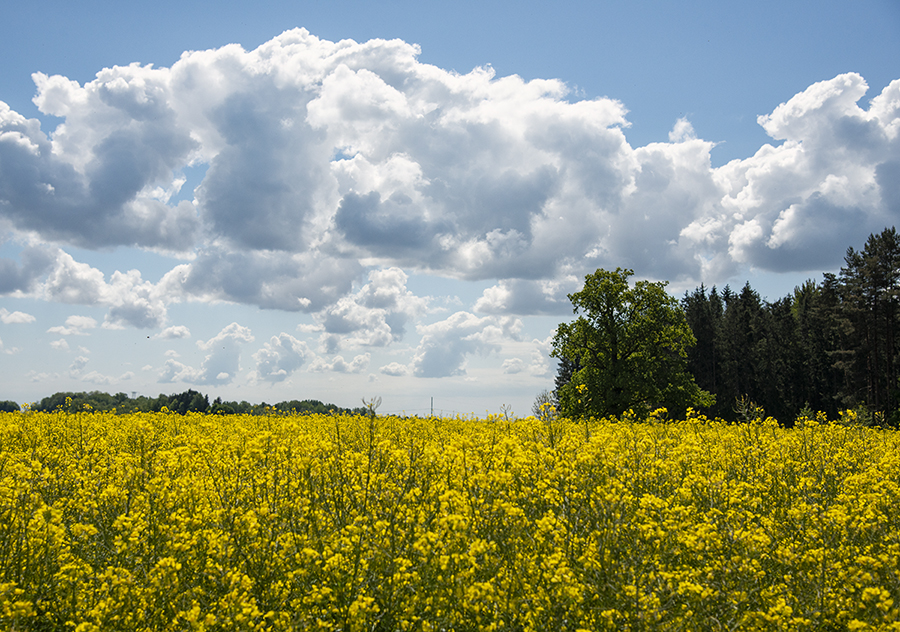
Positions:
{"x": 164, "y": 522}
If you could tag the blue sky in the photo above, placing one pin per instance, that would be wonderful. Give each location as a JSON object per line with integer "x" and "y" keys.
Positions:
{"x": 340, "y": 200}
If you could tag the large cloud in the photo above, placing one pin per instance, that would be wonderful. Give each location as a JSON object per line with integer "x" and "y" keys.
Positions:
{"x": 22, "y": 277}
{"x": 375, "y": 316}
{"x": 131, "y": 300}
{"x": 324, "y": 159}
{"x": 270, "y": 279}
{"x": 9, "y": 318}
{"x": 220, "y": 366}
{"x": 75, "y": 326}
{"x": 445, "y": 344}
{"x": 94, "y": 183}
{"x": 828, "y": 185}
{"x": 280, "y": 357}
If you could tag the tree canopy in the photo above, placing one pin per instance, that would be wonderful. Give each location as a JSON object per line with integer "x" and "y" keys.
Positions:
{"x": 628, "y": 349}
{"x": 828, "y": 346}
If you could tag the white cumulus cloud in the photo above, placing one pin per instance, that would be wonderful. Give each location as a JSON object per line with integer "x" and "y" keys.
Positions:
{"x": 77, "y": 366}
{"x": 375, "y": 316}
{"x": 10, "y": 318}
{"x": 445, "y": 344}
{"x": 220, "y": 366}
{"x": 75, "y": 326}
{"x": 280, "y": 357}
{"x": 338, "y": 365}
{"x": 394, "y": 369}
{"x": 323, "y": 160}
{"x": 174, "y": 332}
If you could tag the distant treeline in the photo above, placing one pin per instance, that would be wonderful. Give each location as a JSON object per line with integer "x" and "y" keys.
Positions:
{"x": 181, "y": 403}
{"x": 828, "y": 346}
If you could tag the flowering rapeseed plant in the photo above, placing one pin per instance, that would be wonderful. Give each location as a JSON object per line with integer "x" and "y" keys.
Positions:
{"x": 283, "y": 522}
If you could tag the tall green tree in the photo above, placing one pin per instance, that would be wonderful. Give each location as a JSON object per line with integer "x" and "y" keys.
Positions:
{"x": 737, "y": 338}
{"x": 870, "y": 291}
{"x": 704, "y": 314}
{"x": 631, "y": 344}
{"x": 779, "y": 358}
{"x": 820, "y": 334}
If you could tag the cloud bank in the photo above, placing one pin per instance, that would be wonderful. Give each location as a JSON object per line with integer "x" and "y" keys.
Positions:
{"x": 329, "y": 161}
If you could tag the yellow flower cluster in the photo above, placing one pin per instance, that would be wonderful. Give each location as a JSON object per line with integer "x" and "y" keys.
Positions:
{"x": 304, "y": 522}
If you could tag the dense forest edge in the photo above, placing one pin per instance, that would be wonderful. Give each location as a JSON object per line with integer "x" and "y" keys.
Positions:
{"x": 829, "y": 346}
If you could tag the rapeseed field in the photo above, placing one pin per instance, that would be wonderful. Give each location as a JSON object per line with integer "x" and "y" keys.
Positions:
{"x": 160, "y": 521}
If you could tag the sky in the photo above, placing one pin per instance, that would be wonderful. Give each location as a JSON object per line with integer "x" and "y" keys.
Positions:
{"x": 345, "y": 200}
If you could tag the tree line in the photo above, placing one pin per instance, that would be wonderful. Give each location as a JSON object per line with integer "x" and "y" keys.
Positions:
{"x": 828, "y": 346}
{"x": 180, "y": 403}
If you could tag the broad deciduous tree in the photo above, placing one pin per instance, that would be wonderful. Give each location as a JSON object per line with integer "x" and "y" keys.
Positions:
{"x": 630, "y": 344}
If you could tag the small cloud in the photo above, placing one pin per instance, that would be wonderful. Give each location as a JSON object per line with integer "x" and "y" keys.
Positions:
{"x": 221, "y": 364}
{"x": 683, "y": 131}
{"x": 522, "y": 296}
{"x": 97, "y": 378}
{"x": 339, "y": 365}
{"x": 279, "y": 358}
{"x": 77, "y": 366}
{"x": 513, "y": 366}
{"x": 9, "y": 351}
{"x": 175, "y": 371}
{"x": 60, "y": 344}
{"x": 395, "y": 368}
{"x": 375, "y": 316}
{"x": 74, "y": 282}
{"x": 34, "y": 376}
{"x": 133, "y": 302}
{"x": 540, "y": 356}
{"x": 539, "y": 367}
{"x": 75, "y": 326}
{"x": 445, "y": 344}
{"x": 173, "y": 333}
{"x": 11, "y": 318}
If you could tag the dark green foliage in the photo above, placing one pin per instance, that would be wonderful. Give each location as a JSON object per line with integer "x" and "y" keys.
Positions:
{"x": 180, "y": 403}
{"x": 9, "y": 407}
{"x": 183, "y": 403}
{"x": 75, "y": 402}
{"x": 704, "y": 316}
{"x": 828, "y": 346}
{"x": 307, "y": 406}
{"x": 869, "y": 291}
{"x": 564, "y": 372}
{"x": 631, "y": 346}
{"x": 817, "y": 311}
{"x": 780, "y": 355}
